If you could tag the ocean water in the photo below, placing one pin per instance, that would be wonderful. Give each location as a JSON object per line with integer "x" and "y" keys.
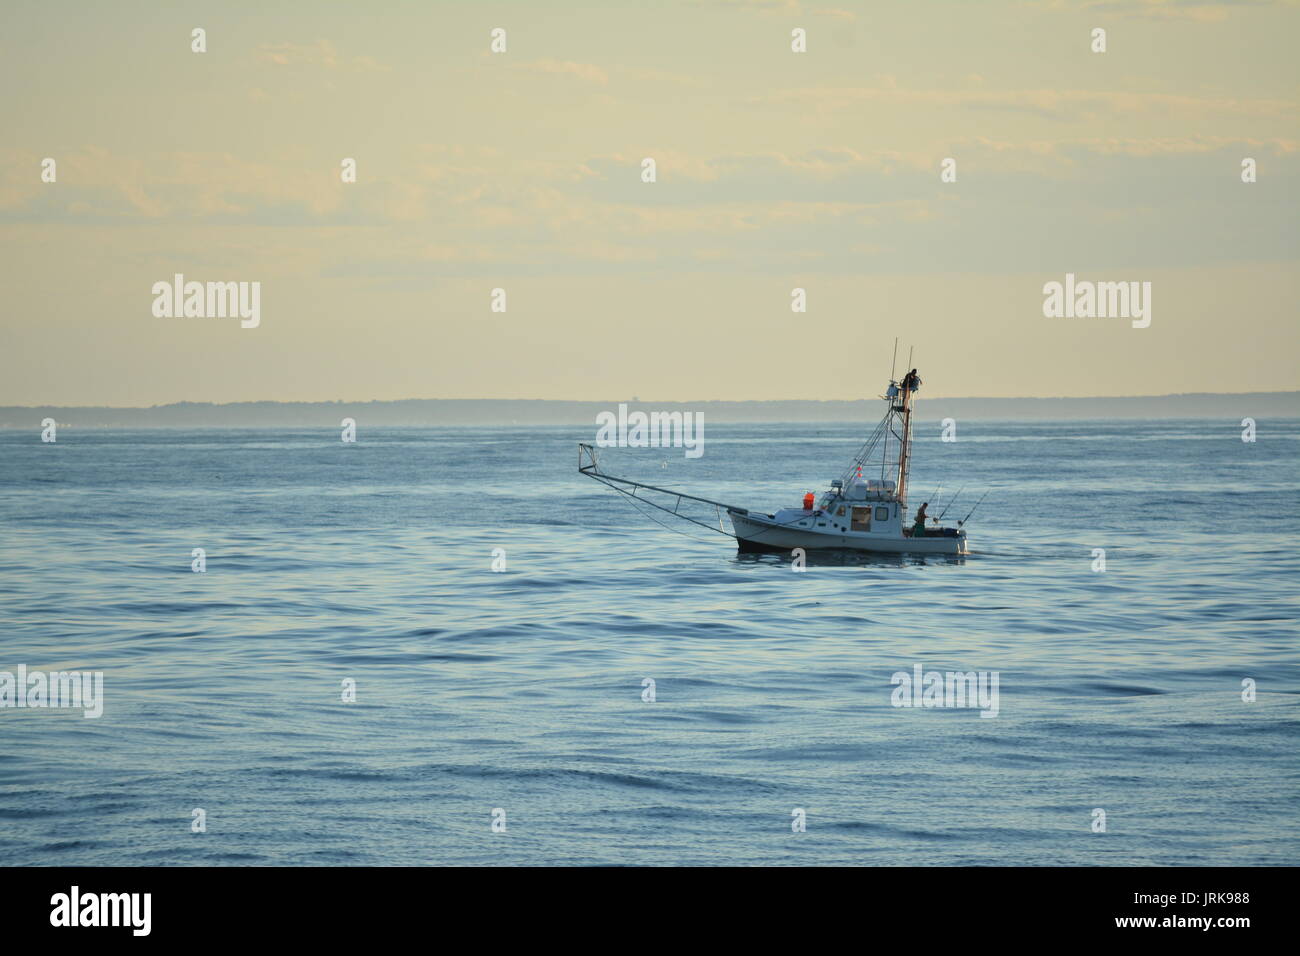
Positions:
{"x": 522, "y": 690}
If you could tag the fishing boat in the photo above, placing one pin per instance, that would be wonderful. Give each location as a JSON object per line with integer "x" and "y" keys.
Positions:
{"x": 865, "y": 509}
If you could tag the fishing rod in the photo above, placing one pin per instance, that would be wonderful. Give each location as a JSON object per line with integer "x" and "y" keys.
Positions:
{"x": 951, "y": 500}
{"x": 972, "y": 511}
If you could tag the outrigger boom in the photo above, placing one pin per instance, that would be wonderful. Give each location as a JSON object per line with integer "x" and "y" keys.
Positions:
{"x": 592, "y": 470}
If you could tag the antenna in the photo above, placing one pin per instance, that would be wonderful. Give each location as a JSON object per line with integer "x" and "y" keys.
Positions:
{"x": 909, "y": 356}
{"x": 893, "y": 363}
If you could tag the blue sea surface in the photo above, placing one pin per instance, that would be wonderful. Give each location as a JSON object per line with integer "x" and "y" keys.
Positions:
{"x": 522, "y": 690}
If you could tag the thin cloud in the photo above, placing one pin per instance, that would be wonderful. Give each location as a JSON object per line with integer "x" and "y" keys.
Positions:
{"x": 1202, "y": 11}
{"x": 319, "y": 54}
{"x": 1056, "y": 104}
{"x": 586, "y": 72}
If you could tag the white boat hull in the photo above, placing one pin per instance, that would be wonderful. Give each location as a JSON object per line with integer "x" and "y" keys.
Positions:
{"x": 760, "y": 533}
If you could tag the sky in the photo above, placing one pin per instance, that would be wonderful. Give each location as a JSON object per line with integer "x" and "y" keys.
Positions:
{"x": 522, "y": 170}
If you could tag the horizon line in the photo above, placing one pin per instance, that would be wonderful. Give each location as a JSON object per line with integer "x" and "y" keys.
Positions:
{"x": 704, "y": 401}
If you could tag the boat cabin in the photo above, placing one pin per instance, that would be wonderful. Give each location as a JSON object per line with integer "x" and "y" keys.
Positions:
{"x": 866, "y": 506}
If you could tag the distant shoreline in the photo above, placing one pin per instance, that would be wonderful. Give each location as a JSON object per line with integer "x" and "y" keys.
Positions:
{"x": 557, "y": 412}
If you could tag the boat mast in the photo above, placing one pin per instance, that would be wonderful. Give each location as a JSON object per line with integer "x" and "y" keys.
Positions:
{"x": 905, "y": 441}
{"x": 905, "y": 449}
{"x": 897, "y": 424}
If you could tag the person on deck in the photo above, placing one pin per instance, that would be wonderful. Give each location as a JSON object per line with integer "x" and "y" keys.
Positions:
{"x": 918, "y": 530}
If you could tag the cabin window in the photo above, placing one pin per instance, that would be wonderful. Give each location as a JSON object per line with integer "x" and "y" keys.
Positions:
{"x": 861, "y": 520}
{"x": 882, "y": 513}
